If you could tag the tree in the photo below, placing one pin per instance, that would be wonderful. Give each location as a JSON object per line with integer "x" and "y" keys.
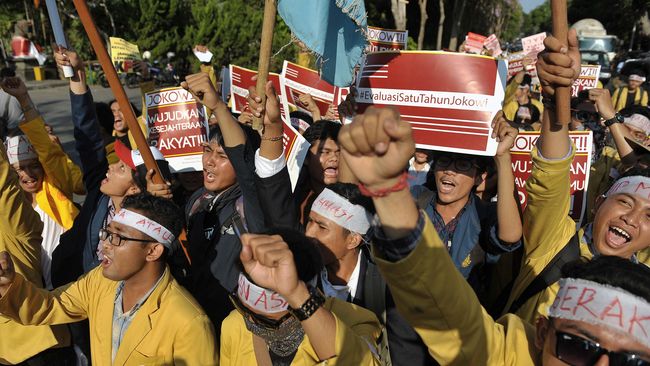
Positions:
{"x": 441, "y": 24}
{"x": 398, "y": 8}
{"x": 423, "y": 22}
{"x": 618, "y": 18}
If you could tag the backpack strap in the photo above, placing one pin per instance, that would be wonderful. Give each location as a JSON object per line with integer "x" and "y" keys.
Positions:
{"x": 550, "y": 274}
{"x": 374, "y": 292}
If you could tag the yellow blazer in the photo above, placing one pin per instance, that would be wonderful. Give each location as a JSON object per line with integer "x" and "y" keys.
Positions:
{"x": 356, "y": 330}
{"x": 20, "y": 235}
{"x": 62, "y": 178}
{"x": 442, "y": 308}
{"x": 169, "y": 329}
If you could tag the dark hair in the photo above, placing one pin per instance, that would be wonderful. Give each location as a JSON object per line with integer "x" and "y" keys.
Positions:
{"x": 104, "y": 117}
{"x": 613, "y": 271}
{"x": 136, "y": 111}
{"x": 305, "y": 252}
{"x": 7, "y": 72}
{"x": 322, "y": 130}
{"x": 527, "y": 80}
{"x": 302, "y": 116}
{"x": 352, "y": 193}
{"x": 140, "y": 174}
{"x": 161, "y": 210}
{"x": 252, "y": 137}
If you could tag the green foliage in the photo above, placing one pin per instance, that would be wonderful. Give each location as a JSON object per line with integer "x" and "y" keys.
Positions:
{"x": 618, "y": 18}
{"x": 538, "y": 20}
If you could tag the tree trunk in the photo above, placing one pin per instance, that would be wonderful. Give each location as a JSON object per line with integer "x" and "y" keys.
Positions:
{"x": 398, "y": 8}
{"x": 459, "y": 10}
{"x": 441, "y": 24}
{"x": 423, "y": 22}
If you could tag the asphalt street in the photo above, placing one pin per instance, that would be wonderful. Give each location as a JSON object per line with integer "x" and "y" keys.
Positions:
{"x": 54, "y": 105}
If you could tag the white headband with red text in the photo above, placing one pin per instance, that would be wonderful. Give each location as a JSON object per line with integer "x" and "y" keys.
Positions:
{"x": 259, "y": 298}
{"x": 145, "y": 226}
{"x": 636, "y": 185}
{"x": 599, "y": 304}
{"x": 332, "y": 206}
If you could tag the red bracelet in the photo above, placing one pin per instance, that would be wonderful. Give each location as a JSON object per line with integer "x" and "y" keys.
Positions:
{"x": 400, "y": 185}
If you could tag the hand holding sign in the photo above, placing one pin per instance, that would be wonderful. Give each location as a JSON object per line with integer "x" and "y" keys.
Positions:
{"x": 603, "y": 101}
{"x": 68, "y": 58}
{"x": 377, "y": 146}
{"x": 7, "y": 272}
{"x": 271, "y": 110}
{"x": 558, "y": 66}
{"x": 201, "y": 87}
{"x": 160, "y": 190}
{"x": 504, "y": 133}
{"x": 268, "y": 261}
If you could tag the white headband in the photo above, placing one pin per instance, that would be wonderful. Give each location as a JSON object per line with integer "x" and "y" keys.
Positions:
{"x": 609, "y": 306}
{"x": 259, "y": 298}
{"x": 145, "y": 226}
{"x": 20, "y": 149}
{"x": 639, "y": 121}
{"x": 636, "y": 77}
{"x": 338, "y": 209}
{"x": 635, "y": 185}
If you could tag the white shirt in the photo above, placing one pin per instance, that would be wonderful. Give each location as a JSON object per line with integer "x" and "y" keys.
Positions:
{"x": 342, "y": 292}
{"x": 418, "y": 177}
{"x": 266, "y": 168}
{"x": 51, "y": 234}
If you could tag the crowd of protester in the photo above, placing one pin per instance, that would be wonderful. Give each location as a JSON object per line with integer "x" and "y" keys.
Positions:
{"x": 383, "y": 254}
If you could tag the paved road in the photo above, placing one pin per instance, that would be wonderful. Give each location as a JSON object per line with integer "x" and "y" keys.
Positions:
{"x": 54, "y": 104}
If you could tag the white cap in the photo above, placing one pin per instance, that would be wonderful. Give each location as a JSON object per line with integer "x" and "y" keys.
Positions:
{"x": 638, "y": 121}
{"x": 20, "y": 149}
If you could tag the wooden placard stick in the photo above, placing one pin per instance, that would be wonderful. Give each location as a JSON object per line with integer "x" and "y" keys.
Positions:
{"x": 117, "y": 89}
{"x": 560, "y": 31}
{"x": 265, "y": 57}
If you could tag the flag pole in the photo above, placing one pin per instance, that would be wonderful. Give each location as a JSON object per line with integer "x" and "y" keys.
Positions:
{"x": 116, "y": 88}
{"x": 265, "y": 57}
{"x": 560, "y": 31}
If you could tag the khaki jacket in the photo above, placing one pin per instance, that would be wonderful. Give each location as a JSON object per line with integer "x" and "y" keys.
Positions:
{"x": 20, "y": 235}
{"x": 169, "y": 329}
{"x": 357, "y": 330}
{"x": 441, "y": 306}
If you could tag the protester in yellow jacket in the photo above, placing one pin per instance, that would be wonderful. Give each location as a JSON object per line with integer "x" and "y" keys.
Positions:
{"x": 433, "y": 297}
{"x": 139, "y": 315}
{"x": 281, "y": 316}
{"x": 632, "y": 94}
{"x": 20, "y": 234}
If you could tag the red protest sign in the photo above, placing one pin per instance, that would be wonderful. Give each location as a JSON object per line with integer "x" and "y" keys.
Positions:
{"x": 177, "y": 125}
{"x": 492, "y": 44}
{"x": 386, "y": 39}
{"x": 297, "y": 80}
{"x": 522, "y": 166}
{"x": 450, "y": 101}
{"x": 474, "y": 43}
{"x": 295, "y": 146}
{"x": 588, "y": 79}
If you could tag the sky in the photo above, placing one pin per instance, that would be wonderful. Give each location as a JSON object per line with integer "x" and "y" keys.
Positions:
{"x": 529, "y": 5}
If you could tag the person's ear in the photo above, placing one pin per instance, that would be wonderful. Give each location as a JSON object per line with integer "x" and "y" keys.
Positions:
{"x": 134, "y": 189}
{"x": 155, "y": 252}
{"x": 542, "y": 327}
{"x": 352, "y": 241}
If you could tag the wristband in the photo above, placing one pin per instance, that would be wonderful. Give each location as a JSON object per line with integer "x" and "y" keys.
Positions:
{"x": 400, "y": 185}
{"x": 315, "y": 301}
{"x": 275, "y": 138}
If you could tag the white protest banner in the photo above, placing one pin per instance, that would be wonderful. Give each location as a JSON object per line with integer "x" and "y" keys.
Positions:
{"x": 177, "y": 125}
{"x": 492, "y": 44}
{"x": 522, "y": 166}
{"x": 533, "y": 44}
{"x": 386, "y": 39}
{"x": 450, "y": 101}
{"x": 588, "y": 79}
{"x": 297, "y": 80}
{"x": 123, "y": 54}
{"x": 295, "y": 146}
{"x": 57, "y": 29}
{"x": 474, "y": 43}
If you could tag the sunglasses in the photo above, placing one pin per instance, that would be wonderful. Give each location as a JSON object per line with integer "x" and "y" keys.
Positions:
{"x": 578, "y": 351}
{"x": 261, "y": 321}
{"x": 461, "y": 165}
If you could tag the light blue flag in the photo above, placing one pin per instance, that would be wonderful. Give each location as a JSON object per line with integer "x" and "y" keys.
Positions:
{"x": 335, "y": 30}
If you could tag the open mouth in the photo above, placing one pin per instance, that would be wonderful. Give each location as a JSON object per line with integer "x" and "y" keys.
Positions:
{"x": 106, "y": 262}
{"x": 617, "y": 237}
{"x": 209, "y": 176}
{"x": 446, "y": 185}
{"x": 29, "y": 183}
{"x": 331, "y": 172}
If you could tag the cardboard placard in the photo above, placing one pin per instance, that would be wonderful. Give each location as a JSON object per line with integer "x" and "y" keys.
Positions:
{"x": 492, "y": 44}
{"x": 474, "y": 43}
{"x": 177, "y": 125}
{"x": 450, "y": 101}
{"x": 297, "y": 80}
{"x": 387, "y": 39}
{"x": 295, "y": 146}
{"x": 522, "y": 166}
{"x": 533, "y": 44}
{"x": 123, "y": 54}
{"x": 588, "y": 79}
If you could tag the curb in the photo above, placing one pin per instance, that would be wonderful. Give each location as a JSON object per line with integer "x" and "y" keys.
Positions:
{"x": 46, "y": 84}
